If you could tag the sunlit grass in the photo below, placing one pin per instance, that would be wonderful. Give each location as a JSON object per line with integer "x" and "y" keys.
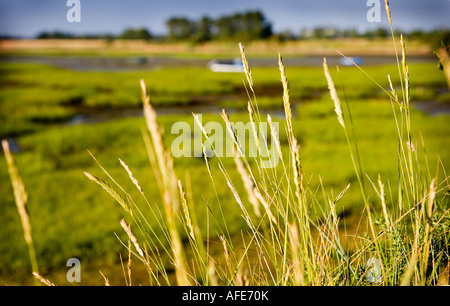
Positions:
{"x": 34, "y": 95}
{"x": 53, "y": 162}
{"x": 63, "y": 203}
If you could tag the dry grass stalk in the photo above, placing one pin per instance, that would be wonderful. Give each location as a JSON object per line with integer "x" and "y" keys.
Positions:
{"x": 265, "y": 205}
{"x": 163, "y": 157}
{"x": 248, "y": 184}
{"x": 129, "y": 262}
{"x": 252, "y": 120}
{"x": 43, "y": 279}
{"x": 127, "y": 274}
{"x": 187, "y": 216}
{"x": 254, "y": 191}
{"x": 298, "y": 175}
{"x": 297, "y": 264}
{"x": 275, "y": 138}
{"x": 405, "y": 70}
{"x": 444, "y": 276}
{"x": 428, "y": 212}
{"x": 430, "y": 201}
{"x": 388, "y": 11}
{"x": 411, "y": 267}
{"x": 309, "y": 263}
{"x": 303, "y": 210}
{"x": 242, "y": 278}
{"x": 152, "y": 158}
{"x": 200, "y": 125}
{"x": 105, "y": 279}
{"x": 132, "y": 178}
{"x": 133, "y": 238}
{"x": 212, "y": 274}
{"x": 383, "y": 202}
{"x": 394, "y": 94}
{"x": 333, "y": 93}
{"x": 247, "y": 71}
{"x": 335, "y": 221}
{"x": 226, "y": 253}
{"x": 155, "y": 133}
{"x": 143, "y": 255}
{"x": 110, "y": 190}
{"x": 169, "y": 193}
{"x": 232, "y": 132}
{"x": 286, "y": 102}
{"x": 20, "y": 196}
{"x": 237, "y": 197}
{"x": 205, "y": 156}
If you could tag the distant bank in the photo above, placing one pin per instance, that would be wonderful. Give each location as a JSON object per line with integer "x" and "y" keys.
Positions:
{"x": 313, "y": 47}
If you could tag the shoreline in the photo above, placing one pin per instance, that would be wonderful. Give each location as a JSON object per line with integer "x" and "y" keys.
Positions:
{"x": 315, "y": 47}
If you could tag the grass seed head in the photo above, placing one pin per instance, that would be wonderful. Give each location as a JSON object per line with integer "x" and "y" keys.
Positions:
{"x": 247, "y": 71}
{"x": 133, "y": 238}
{"x": 388, "y": 11}
{"x": 333, "y": 93}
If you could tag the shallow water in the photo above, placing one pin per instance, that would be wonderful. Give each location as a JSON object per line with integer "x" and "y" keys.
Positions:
{"x": 13, "y": 146}
{"x": 432, "y": 108}
{"x": 92, "y": 63}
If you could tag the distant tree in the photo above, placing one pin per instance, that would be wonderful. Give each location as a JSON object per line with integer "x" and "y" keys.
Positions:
{"x": 248, "y": 26}
{"x": 244, "y": 26}
{"x": 417, "y": 33}
{"x": 378, "y": 32}
{"x": 381, "y": 32}
{"x": 283, "y": 36}
{"x": 224, "y": 27}
{"x": 256, "y": 26}
{"x": 306, "y": 33}
{"x": 436, "y": 38}
{"x": 54, "y": 35}
{"x": 135, "y": 33}
{"x": 108, "y": 37}
{"x": 318, "y": 32}
{"x": 350, "y": 33}
{"x": 180, "y": 28}
{"x": 204, "y": 30}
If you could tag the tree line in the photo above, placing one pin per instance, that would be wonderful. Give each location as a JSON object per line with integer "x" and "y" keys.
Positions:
{"x": 246, "y": 26}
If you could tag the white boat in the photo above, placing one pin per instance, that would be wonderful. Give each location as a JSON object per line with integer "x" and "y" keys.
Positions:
{"x": 226, "y": 66}
{"x": 140, "y": 60}
{"x": 351, "y": 61}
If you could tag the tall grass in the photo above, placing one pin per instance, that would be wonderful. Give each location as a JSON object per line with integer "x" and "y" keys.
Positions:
{"x": 20, "y": 196}
{"x": 406, "y": 242}
{"x": 294, "y": 236}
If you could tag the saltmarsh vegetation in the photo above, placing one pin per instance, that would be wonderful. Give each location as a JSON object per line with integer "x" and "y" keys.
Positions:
{"x": 34, "y": 96}
{"x": 406, "y": 242}
{"x": 293, "y": 234}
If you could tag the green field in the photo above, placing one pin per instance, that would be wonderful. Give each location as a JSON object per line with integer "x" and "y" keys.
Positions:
{"x": 72, "y": 217}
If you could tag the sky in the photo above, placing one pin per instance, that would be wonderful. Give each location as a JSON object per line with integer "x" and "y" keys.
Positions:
{"x": 27, "y": 18}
